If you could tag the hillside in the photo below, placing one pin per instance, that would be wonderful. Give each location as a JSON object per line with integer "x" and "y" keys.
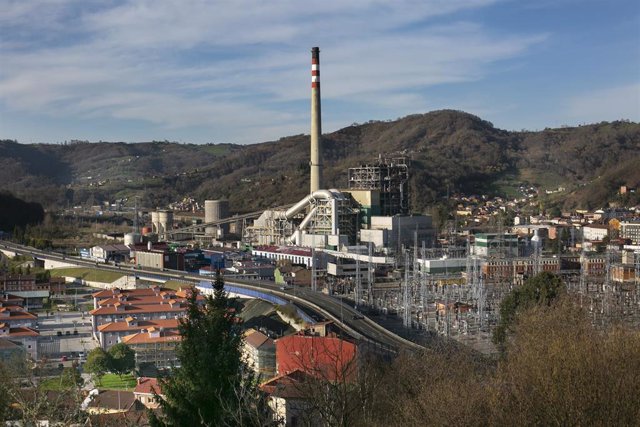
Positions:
{"x": 447, "y": 150}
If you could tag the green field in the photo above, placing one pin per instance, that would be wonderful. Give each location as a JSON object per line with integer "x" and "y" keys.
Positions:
{"x": 90, "y": 274}
{"x": 174, "y": 284}
{"x": 54, "y": 384}
{"x": 114, "y": 382}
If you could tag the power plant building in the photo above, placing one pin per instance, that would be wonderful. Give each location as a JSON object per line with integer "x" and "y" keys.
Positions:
{"x": 390, "y": 178}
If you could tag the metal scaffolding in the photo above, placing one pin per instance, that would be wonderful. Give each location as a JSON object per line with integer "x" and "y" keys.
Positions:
{"x": 390, "y": 177}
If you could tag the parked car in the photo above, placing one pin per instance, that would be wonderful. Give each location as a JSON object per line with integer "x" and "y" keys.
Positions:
{"x": 64, "y": 358}
{"x": 59, "y": 333}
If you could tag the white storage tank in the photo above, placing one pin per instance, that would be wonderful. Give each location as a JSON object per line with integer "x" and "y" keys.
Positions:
{"x": 215, "y": 210}
{"x": 154, "y": 222}
{"x": 131, "y": 239}
{"x": 165, "y": 222}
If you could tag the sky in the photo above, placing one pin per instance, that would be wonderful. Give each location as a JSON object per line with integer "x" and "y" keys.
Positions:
{"x": 206, "y": 71}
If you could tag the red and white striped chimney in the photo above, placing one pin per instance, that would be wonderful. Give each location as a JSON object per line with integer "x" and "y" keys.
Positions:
{"x": 316, "y": 127}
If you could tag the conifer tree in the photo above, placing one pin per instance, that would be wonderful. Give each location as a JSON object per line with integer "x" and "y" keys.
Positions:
{"x": 212, "y": 386}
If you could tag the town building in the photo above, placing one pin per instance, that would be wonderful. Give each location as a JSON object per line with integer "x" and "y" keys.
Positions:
{"x": 146, "y": 391}
{"x": 496, "y": 245}
{"x": 518, "y": 269}
{"x": 106, "y": 253}
{"x": 154, "y": 347}
{"x": 294, "y": 254}
{"x": 10, "y": 351}
{"x": 26, "y": 337}
{"x": 288, "y": 397}
{"x": 259, "y": 352}
{"x": 630, "y": 230}
{"x": 392, "y": 232}
{"x": 595, "y": 232}
{"x": 152, "y": 304}
{"x": 328, "y": 357}
{"x": 112, "y": 333}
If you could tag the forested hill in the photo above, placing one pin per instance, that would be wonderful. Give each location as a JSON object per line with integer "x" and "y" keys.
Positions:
{"x": 447, "y": 151}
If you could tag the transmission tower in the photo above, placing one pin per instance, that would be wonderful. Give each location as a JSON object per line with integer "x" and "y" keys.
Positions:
{"x": 370, "y": 277}
{"x": 405, "y": 295}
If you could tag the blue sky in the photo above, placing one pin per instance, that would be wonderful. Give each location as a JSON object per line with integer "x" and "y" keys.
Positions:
{"x": 238, "y": 71}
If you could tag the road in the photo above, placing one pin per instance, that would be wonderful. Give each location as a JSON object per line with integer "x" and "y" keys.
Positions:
{"x": 343, "y": 315}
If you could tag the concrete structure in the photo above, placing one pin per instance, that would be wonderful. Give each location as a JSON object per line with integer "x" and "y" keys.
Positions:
{"x": 392, "y": 232}
{"x": 162, "y": 222}
{"x": 316, "y": 123}
{"x": 160, "y": 259}
{"x": 215, "y": 210}
{"x": 132, "y": 239}
{"x": 496, "y": 245}
{"x": 442, "y": 265}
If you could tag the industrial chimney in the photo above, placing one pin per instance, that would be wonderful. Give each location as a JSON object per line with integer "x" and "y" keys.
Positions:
{"x": 316, "y": 128}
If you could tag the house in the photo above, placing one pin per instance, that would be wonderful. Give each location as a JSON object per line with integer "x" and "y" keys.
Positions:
{"x": 106, "y": 253}
{"x": 111, "y": 402}
{"x": 259, "y": 352}
{"x": 287, "y": 398}
{"x": 144, "y": 392}
{"x": 24, "y": 336}
{"x": 292, "y": 275}
{"x": 17, "y": 316}
{"x": 10, "y": 351}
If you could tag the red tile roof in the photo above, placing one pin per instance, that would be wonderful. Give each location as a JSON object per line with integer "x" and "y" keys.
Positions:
{"x": 111, "y": 293}
{"x": 132, "y": 309}
{"x": 21, "y": 332}
{"x": 140, "y": 325}
{"x": 147, "y": 386}
{"x": 256, "y": 339}
{"x": 287, "y": 386}
{"x": 146, "y": 338}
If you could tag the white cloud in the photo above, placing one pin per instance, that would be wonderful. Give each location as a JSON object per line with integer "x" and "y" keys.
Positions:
{"x": 236, "y": 67}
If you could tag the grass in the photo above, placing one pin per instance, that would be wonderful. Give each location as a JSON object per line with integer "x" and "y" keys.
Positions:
{"x": 54, "y": 384}
{"x": 175, "y": 284}
{"x": 89, "y": 274}
{"x": 114, "y": 382}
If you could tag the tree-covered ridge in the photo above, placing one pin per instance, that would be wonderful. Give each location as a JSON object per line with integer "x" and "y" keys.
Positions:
{"x": 448, "y": 151}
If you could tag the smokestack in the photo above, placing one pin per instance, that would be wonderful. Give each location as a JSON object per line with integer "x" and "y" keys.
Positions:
{"x": 316, "y": 129}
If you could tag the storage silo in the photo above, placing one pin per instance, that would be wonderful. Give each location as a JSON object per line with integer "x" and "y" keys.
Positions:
{"x": 215, "y": 210}
{"x": 165, "y": 222}
{"x": 154, "y": 222}
{"x": 131, "y": 239}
